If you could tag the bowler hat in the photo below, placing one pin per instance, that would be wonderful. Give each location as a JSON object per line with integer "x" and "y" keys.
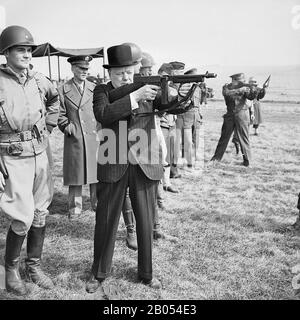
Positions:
{"x": 120, "y": 56}
{"x": 82, "y": 61}
{"x": 135, "y": 49}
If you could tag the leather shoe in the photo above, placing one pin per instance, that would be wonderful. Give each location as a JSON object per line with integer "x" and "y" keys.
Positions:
{"x": 154, "y": 283}
{"x": 161, "y": 205}
{"x": 170, "y": 189}
{"x": 246, "y": 163}
{"x": 93, "y": 284}
{"x": 158, "y": 235}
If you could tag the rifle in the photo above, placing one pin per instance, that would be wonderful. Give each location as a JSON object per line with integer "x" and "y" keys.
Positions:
{"x": 267, "y": 82}
{"x": 159, "y": 80}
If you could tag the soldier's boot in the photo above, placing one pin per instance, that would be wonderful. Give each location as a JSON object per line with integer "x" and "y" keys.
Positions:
{"x": 245, "y": 162}
{"x": 35, "y": 242}
{"x": 174, "y": 172}
{"x": 13, "y": 248}
{"x": 131, "y": 241}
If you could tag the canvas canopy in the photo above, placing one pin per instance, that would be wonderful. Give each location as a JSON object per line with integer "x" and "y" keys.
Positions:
{"x": 48, "y": 50}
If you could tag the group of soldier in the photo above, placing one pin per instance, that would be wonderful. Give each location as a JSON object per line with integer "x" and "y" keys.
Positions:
{"x": 30, "y": 107}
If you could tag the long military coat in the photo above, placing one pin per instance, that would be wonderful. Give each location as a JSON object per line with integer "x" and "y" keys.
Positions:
{"x": 80, "y": 148}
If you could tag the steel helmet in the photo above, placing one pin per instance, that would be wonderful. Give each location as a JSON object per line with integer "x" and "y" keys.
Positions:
{"x": 147, "y": 60}
{"x": 15, "y": 36}
{"x": 135, "y": 51}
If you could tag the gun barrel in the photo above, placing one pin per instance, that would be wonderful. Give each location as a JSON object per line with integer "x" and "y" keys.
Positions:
{"x": 186, "y": 78}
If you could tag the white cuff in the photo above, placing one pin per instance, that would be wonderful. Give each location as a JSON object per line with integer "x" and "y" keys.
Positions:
{"x": 134, "y": 104}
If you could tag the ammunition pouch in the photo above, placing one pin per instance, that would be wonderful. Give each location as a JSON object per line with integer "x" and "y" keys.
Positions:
{"x": 24, "y": 143}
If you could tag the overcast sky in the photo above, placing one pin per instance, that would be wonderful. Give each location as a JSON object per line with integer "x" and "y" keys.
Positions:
{"x": 198, "y": 32}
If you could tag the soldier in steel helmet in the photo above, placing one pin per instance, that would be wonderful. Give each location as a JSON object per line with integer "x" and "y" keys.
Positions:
{"x": 29, "y": 111}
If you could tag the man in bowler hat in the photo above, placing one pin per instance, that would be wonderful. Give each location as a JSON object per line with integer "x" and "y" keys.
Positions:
{"x": 124, "y": 162}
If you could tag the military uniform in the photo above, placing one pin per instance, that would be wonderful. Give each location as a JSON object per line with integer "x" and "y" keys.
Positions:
{"x": 25, "y": 102}
{"x": 29, "y": 108}
{"x": 237, "y": 117}
{"x": 77, "y": 122}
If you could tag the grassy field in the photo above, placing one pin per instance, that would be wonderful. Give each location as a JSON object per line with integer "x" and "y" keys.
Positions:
{"x": 228, "y": 226}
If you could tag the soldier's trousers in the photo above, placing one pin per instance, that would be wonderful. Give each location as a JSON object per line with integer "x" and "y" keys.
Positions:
{"x": 240, "y": 122}
{"x": 28, "y": 191}
{"x": 142, "y": 192}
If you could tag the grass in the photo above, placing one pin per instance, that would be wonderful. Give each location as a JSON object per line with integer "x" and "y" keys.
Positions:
{"x": 228, "y": 225}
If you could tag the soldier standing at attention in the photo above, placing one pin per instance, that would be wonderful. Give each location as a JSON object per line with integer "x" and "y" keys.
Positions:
{"x": 29, "y": 109}
{"x": 77, "y": 122}
{"x": 237, "y": 117}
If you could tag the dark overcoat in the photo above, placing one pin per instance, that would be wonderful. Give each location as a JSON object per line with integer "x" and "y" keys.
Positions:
{"x": 80, "y": 148}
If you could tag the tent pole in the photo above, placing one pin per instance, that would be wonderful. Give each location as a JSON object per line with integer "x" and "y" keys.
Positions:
{"x": 50, "y": 75}
{"x": 104, "y": 76}
{"x": 58, "y": 65}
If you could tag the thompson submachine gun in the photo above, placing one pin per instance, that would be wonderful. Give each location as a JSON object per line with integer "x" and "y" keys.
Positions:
{"x": 162, "y": 82}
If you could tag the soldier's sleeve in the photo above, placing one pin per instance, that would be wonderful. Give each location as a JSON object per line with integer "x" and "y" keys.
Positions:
{"x": 63, "y": 120}
{"x": 250, "y": 94}
{"x": 51, "y": 104}
{"x": 261, "y": 94}
{"x": 231, "y": 92}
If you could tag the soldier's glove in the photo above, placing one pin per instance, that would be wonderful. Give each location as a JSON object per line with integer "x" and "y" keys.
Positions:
{"x": 69, "y": 129}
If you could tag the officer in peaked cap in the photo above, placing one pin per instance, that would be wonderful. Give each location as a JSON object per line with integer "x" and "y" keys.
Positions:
{"x": 165, "y": 68}
{"x": 237, "y": 117}
{"x": 80, "y": 145}
{"x": 81, "y": 61}
{"x": 177, "y": 65}
{"x": 238, "y": 77}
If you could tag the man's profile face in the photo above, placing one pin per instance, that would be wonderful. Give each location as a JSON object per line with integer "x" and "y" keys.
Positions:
{"x": 146, "y": 71}
{"x": 80, "y": 72}
{"x": 121, "y": 76}
{"x": 19, "y": 57}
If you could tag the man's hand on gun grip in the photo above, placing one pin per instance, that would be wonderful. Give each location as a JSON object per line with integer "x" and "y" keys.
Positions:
{"x": 147, "y": 92}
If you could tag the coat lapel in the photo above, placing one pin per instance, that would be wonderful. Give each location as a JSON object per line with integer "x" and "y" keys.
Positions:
{"x": 71, "y": 93}
{"x": 87, "y": 93}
